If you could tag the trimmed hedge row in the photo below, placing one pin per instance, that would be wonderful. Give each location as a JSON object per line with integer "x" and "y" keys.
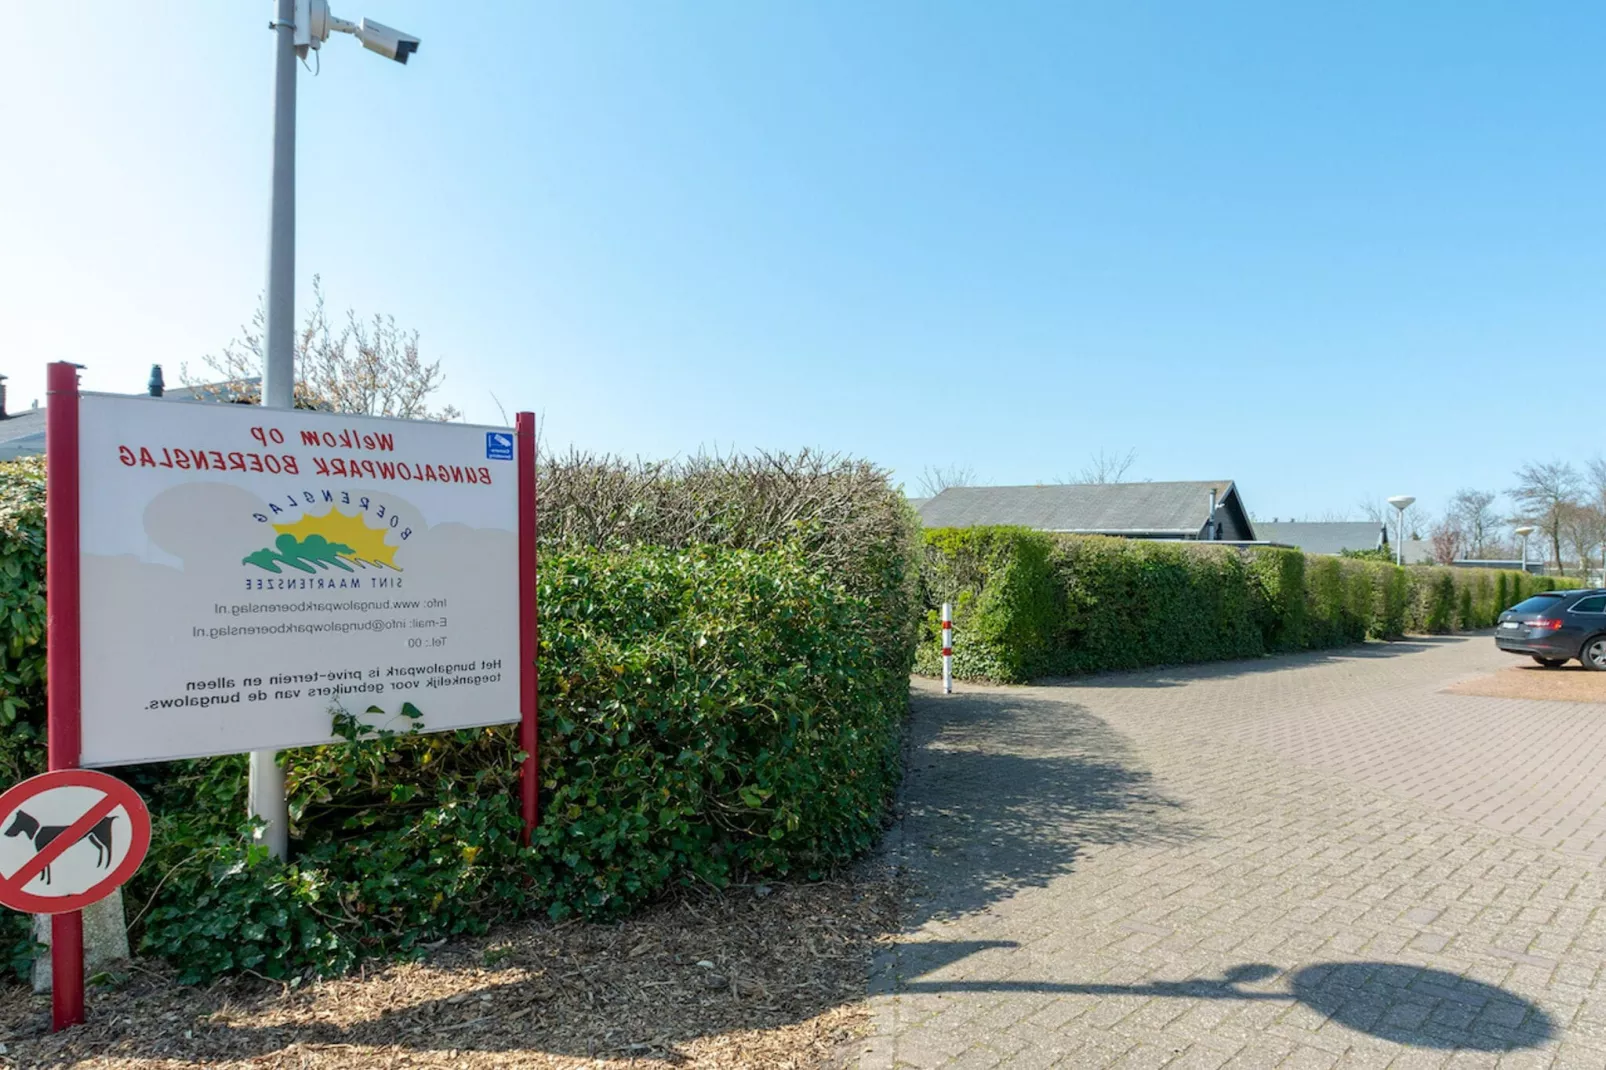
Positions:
{"x": 1030, "y": 603}
{"x": 707, "y": 712}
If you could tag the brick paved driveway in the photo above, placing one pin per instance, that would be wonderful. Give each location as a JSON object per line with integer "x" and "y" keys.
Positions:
{"x": 1319, "y": 861}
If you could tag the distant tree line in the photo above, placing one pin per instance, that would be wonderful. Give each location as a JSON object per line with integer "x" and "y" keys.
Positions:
{"x": 1564, "y": 503}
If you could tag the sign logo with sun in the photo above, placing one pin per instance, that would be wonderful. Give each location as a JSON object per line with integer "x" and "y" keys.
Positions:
{"x": 333, "y": 540}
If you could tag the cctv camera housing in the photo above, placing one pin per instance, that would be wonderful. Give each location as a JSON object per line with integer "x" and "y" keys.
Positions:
{"x": 392, "y": 44}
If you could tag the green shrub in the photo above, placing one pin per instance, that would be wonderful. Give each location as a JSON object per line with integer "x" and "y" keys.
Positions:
{"x": 1438, "y": 608}
{"x": 1394, "y": 599}
{"x": 22, "y": 607}
{"x": 1279, "y": 586}
{"x": 1032, "y": 603}
{"x": 1002, "y": 591}
{"x": 707, "y": 711}
{"x": 1131, "y": 603}
{"x": 22, "y": 654}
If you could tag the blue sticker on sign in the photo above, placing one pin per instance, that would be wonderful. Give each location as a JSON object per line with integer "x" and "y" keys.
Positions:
{"x": 498, "y": 446}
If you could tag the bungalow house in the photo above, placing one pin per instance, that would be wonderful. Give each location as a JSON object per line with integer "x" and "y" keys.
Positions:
{"x": 1206, "y": 511}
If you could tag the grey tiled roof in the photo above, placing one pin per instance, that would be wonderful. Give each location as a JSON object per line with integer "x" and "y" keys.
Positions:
{"x": 233, "y": 390}
{"x": 1323, "y": 538}
{"x": 22, "y": 434}
{"x": 1176, "y": 509}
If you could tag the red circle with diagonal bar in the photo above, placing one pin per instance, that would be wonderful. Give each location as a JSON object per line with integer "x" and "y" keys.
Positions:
{"x": 91, "y": 815}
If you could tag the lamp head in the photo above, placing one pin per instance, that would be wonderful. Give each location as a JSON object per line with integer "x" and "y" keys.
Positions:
{"x": 1401, "y": 501}
{"x": 1526, "y": 530}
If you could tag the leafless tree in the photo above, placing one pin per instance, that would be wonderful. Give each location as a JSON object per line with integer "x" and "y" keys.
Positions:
{"x": 933, "y": 481}
{"x": 1543, "y": 493}
{"x": 1597, "y": 482}
{"x": 1475, "y": 516}
{"x": 1108, "y": 467}
{"x": 1446, "y": 540}
{"x": 369, "y": 366}
{"x": 1583, "y": 530}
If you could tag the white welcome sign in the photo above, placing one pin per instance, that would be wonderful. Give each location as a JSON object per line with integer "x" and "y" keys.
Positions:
{"x": 245, "y": 572}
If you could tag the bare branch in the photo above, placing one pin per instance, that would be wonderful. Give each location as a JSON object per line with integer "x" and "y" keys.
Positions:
{"x": 1108, "y": 467}
{"x": 933, "y": 481}
{"x": 367, "y": 366}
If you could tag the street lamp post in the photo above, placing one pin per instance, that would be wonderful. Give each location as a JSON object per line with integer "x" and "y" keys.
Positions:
{"x": 298, "y": 26}
{"x": 1401, "y": 503}
{"x": 1525, "y": 531}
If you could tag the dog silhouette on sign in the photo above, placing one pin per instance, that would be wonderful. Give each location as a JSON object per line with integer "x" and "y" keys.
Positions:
{"x": 25, "y": 824}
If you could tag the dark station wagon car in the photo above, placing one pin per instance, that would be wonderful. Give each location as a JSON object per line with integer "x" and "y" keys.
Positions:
{"x": 1555, "y": 627}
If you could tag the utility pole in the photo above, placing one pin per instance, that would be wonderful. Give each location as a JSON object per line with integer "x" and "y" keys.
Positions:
{"x": 298, "y": 26}
{"x": 266, "y": 794}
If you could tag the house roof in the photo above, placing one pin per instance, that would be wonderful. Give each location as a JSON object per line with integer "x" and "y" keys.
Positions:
{"x": 1324, "y": 538}
{"x": 22, "y": 434}
{"x": 1164, "y": 509}
{"x": 1418, "y": 552}
{"x": 247, "y": 389}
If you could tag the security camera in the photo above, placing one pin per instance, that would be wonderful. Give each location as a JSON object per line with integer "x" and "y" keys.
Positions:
{"x": 392, "y": 44}
{"x": 314, "y": 24}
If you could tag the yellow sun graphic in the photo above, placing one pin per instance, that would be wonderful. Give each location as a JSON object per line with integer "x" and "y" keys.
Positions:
{"x": 367, "y": 544}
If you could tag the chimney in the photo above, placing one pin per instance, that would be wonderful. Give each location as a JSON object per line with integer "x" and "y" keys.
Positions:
{"x": 156, "y": 384}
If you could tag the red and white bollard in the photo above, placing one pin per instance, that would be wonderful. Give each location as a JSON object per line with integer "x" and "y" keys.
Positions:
{"x": 947, "y": 649}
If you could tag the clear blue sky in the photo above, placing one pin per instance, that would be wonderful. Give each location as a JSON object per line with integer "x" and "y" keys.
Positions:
{"x": 1325, "y": 253}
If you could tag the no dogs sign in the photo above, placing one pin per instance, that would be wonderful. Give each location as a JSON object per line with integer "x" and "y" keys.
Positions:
{"x": 67, "y": 839}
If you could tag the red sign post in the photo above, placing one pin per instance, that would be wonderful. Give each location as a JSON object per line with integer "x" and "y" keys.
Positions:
{"x": 61, "y": 659}
{"x": 529, "y": 625}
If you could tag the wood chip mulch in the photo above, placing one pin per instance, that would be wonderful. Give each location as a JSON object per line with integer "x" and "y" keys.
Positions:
{"x": 1570, "y": 683}
{"x": 766, "y": 975}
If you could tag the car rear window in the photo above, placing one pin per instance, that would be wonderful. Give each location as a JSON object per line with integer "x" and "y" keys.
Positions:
{"x": 1537, "y": 604}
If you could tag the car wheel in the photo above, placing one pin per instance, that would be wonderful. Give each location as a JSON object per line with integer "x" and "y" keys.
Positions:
{"x": 1550, "y": 663}
{"x": 1594, "y": 654}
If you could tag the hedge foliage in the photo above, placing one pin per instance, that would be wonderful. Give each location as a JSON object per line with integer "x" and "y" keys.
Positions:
{"x": 707, "y": 712}
{"x": 1030, "y": 603}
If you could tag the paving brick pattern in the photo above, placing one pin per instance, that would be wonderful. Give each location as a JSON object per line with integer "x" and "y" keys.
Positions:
{"x": 1321, "y": 861}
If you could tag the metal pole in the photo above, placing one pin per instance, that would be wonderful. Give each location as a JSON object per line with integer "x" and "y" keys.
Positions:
{"x": 947, "y": 649}
{"x": 1399, "y": 548}
{"x": 529, "y": 628}
{"x": 266, "y": 791}
{"x": 62, "y": 659}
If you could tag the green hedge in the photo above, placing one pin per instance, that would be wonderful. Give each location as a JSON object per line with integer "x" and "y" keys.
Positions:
{"x": 707, "y": 712}
{"x": 1030, "y": 603}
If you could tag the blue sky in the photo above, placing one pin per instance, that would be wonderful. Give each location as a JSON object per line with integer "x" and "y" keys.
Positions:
{"x": 1326, "y": 253}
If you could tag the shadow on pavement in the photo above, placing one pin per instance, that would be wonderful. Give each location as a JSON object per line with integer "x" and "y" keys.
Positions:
{"x": 1178, "y": 675}
{"x": 1410, "y": 1005}
{"x": 1002, "y": 795}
